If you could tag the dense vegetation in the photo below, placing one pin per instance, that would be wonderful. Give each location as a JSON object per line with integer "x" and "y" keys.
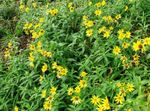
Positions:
{"x": 75, "y": 55}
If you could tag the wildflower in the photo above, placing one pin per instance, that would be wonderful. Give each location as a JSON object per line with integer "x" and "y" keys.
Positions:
{"x": 89, "y": 23}
{"x": 89, "y": 32}
{"x": 118, "y": 84}
{"x": 77, "y": 89}
{"x": 136, "y": 57}
{"x": 146, "y": 41}
{"x": 70, "y": 91}
{"x": 138, "y": 46}
{"x": 98, "y": 12}
{"x": 41, "y": 20}
{"x": 118, "y": 16}
{"x": 31, "y": 47}
{"x": 27, "y": 9}
{"x": 61, "y": 71}
{"x": 9, "y": 45}
{"x": 95, "y": 100}
{"x": 76, "y": 100}
{"x": 123, "y": 59}
{"x": 31, "y": 57}
{"x": 54, "y": 65}
{"x": 102, "y": 29}
{"x": 103, "y": 3}
{"x": 125, "y": 45}
{"x": 128, "y": 34}
{"x": 16, "y": 108}
{"x": 44, "y": 68}
{"x": 130, "y": 87}
{"x": 119, "y": 99}
{"x": 47, "y": 105}
{"x": 22, "y": 7}
{"x": 49, "y": 99}
{"x": 53, "y": 90}
{"x": 41, "y": 79}
{"x": 106, "y": 33}
{"x": 71, "y": 9}
{"x": 83, "y": 74}
{"x": 122, "y": 92}
{"x": 126, "y": 8}
{"x": 121, "y": 34}
{"x": 106, "y": 105}
{"x": 85, "y": 17}
{"x": 43, "y": 95}
{"x": 82, "y": 83}
{"x": 116, "y": 50}
{"x": 34, "y": 4}
{"x": 90, "y": 3}
{"x": 53, "y": 12}
{"x": 100, "y": 108}
{"x": 98, "y": 4}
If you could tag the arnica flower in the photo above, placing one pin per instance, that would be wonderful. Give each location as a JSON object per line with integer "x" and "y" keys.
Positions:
{"x": 16, "y": 108}
{"x": 119, "y": 99}
{"x": 47, "y": 105}
{"x": 83, "y": 74}
{"x": 106, "y": 104}
{"x": 125, "y": 45}
{"x": 77, "y": 89}
{"x": 130, "y": 87}
{"x": 98, "y": 12}
{"x": 70, "y": 91}
{"x": 82, "y": 83}
{"x": 116, "y": 50}
{"x": 53, "y": 90}
{"x": 76, "y": 100}
{"x": 138, "y": 45}
{"x": 89, "y": 32}
{"x": 95, "y": 100}
{"x": 44, "y": 68}
{"x": 43, "y": 95}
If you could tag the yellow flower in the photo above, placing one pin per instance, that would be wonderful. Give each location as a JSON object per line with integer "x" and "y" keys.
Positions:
{"x": 71, "y": 9}
{"x": 82, "y": 83}
{"x": 100, "y": 108}
{"x": 130, "y": 87}
{"x": 34, "y": 4}
{"x": 98, "y": 12}
{"x": 44, "y": 68}
{"x": 31, "y": 47}
{"x": 106, "y": 33}
{"x": 136, "y": 57}
{"x": 102, "y": 29}
{"x": 126, "y": 8}
{"x": 83, "y": 74}
{"x": 106, "y": 105}
{"x": 22, "y": 7}
{"x": 128, "y": 34}
{"x": 47, "y": 105}
{"x": 89, "y": 32}
{"x": 125, "y": 45}
{"x": 98, "y": 4}
{"x": 76, "y": 100}
{"x": 16, "y": 108}
{"x": 90, "y": 3}
{"x": 123, "y": 59}
{"x": 53, "y": 12}
{"x": 53, "y": 90}
{"x": 118, "y": 84}
{"x": 122, "y": 92}
{"x": 116, "y": 50}
{"x": 77, "y": 89}
{"x": 27, "y": 9}
{"x": 138, "y": 46}
{"x": 103, "y": 3}
{"x": 85, "y": 17}
{"x": 89, "y": 23}
{"x": 54, "y": 65}
{"x": 70, "y": 91}
{"x": 95, "y": 100}
{"x": 41, "y": 20}
{"x": 41, "y": 79}
{"x": 43, "y": 95}
{"x": 118, "y": 16}
{"x": 119, "y": 99}
{"x": 146, "y": 41}
{"x": 9, "y": 45}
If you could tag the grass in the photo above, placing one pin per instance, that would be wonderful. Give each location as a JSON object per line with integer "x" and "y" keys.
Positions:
{"x": 75, "y": 56}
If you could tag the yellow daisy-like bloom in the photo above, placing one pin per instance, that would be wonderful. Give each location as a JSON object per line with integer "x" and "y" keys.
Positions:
{"x": 82, "y": 83}
{"x": 106, "y": 33}
{"x": 89, "y": 24}
{"x": 54, "y": 65}
{"x": 123, "y": 59}
{"x": 16, "y": 108}
{"x": 98, "y": 12}
{"x": 130, "y": 87}
{"x": 47, "y": 105}
{"x": 44, "y": 68}
{"x": 41, "y": 20}
{"x": 118, "y": 84}
{"x": 128, "y": 34}
{"x": 41, "y": 79}
{"x": 138, "y": 46}
{"x": 70, "y": 91}
{"x": 136, "y": 57}
{"x": 106, "y": 104}
{"x": 89, "y": 32}
{"x": 116, "y": 50}
{"x": 98, "y": 4}
{"x": 76, "y": 100}
{"x": 118, "y": 16}
{"x": 100, "y": 108}
{"x": 31, "y": 47}
{"x": 122, "y": 92}
{"x": 119, "y": 99}
{"x": 102, "y": 29}
{"x": 53, "y": 90}
{"x": 43, "y": 95}
{"x": 83, "y": 74}
{"x": 103, "y": 3}
{"x": 77, "y": 89}
{"x": 146, "y": 41}
{"x": 125, "y": 45}
{"x": 126, "y": 8}
{"x": 53, "y": 12}
{"x": 95, "y": 100}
